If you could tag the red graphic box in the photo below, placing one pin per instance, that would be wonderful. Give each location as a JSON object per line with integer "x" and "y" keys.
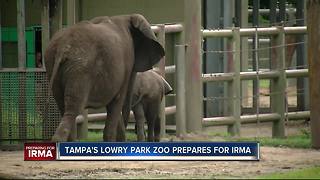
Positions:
{"x": 40, "y": 151}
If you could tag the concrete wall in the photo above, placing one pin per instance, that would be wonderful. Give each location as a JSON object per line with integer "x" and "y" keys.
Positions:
{"x": 156, "y": 11}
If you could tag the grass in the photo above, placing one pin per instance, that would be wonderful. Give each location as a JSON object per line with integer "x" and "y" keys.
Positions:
{"x": 297, "y": 141}
{"x": 308, "y": 173}
{"x": 96, "y": 136}
{"x": 302, "y": 140}
{"x": 263, "y": 84}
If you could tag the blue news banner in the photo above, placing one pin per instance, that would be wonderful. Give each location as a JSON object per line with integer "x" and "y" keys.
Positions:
{"x": 158, "y": 151}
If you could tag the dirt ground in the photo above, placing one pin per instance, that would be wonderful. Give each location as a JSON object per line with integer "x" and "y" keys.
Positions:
{"x": 272, "y": 160}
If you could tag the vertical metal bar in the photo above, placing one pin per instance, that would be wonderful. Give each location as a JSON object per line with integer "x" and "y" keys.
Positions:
{"x": 0, "y": 44}
{"x": 0, "y": 77}
{"x": 21, "y": 34}
{"x": 45, "y": 34}
{"x": 282, "y": 11}
{"x": 56, "y": 16}
{"x": 71, "y": 16}
{"x": 279, "y": 86}
{"x": 301, "y": 104}
{"x": 255, "y": 12}
{"x": 193, "y": 65}
{"x": 180, "y": 62}
{"x": 161, "y": 65}
{"x": 255, "y": 23}
{"x": 257, "y": 92}
{"x": 238, "y": 9}
{"x": 273, "y": 12}
{"x": 313, "y": 23}
{"x": 235, "y": 89}
{"x": 244, "y": 54}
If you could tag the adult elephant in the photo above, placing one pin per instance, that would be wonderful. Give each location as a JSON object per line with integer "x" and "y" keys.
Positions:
{"x": 93, "y": 64}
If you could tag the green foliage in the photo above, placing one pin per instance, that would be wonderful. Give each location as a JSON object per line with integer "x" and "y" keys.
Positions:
{"x": 309, "y": 173}
{"x": 263, "y": 84}
{"x": 297, "y": 141}
{"x": 96, "y": 136}
{"x": 302, "y": 140}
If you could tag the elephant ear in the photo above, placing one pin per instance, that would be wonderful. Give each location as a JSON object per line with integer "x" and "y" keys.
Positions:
{"x": 146, "y": 47}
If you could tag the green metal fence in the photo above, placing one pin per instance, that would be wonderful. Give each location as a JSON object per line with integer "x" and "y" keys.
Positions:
{"x": 27, "y": 110}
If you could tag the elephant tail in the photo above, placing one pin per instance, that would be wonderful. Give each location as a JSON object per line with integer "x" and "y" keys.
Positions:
{"x": 57, "y": 62}
{"x": 167, "y": 88}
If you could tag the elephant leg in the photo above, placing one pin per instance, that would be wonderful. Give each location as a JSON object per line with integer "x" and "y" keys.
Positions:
{"x": 151, "y": 115}
{"x": 58, "y": 95}
{"x": 157, "y": 129}
{"x": 114, "y": 129}
{"x": 140, "y": 120}
{"x": 151, "y": 123}
{"x": 75, "y": 95}
{"x": 121, "y": 130}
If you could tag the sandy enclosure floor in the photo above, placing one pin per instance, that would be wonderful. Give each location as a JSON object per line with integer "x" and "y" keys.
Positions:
{"x": 272, "y": 160}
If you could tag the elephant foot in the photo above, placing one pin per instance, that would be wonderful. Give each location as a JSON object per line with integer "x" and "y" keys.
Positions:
{"x": 141, "y": 138}
{"x": 121, "y": 137}
{"x": 64, "y": 132}
{"x": 157, "y": 139}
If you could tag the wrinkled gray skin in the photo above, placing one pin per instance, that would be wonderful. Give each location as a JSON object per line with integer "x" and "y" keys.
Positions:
{"x": 93, "y": 63}
{"x": 148, "y": 91}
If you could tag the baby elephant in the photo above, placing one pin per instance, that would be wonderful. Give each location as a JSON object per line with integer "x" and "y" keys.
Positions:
{"x": 148, "y": 91}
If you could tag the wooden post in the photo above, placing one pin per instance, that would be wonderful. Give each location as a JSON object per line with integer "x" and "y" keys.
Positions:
{"x": 45, "y": 34}
{"x": 313, "y": 24}
{"x": 278, "y": 85}
{"x": 235, "y": 85}
{"x": 161, "y": 65}
{"x": 21, "y": 29}
{"x": 192, "y": 23}
{"x": 56, "y": 17}
{"x": 71, "y": 16}
{"x": 22, "y": 66}
{"x": 180, "y": 62}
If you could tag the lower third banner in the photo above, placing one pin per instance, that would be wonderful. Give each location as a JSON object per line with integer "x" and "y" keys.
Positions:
{"x": 158, "y": 151}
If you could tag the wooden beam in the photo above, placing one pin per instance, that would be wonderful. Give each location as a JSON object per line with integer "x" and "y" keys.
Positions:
{"x": 71, "y": 12}
{"x": 56, "y": 17}
{"x": 22, "y": 65}
{"x": 21, "y": 34}
{"x": 45, "y": 34}
{"x": 313, "y": 23}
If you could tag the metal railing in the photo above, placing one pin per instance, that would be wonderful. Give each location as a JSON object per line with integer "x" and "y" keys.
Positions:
{"x": 277, "y": 75}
